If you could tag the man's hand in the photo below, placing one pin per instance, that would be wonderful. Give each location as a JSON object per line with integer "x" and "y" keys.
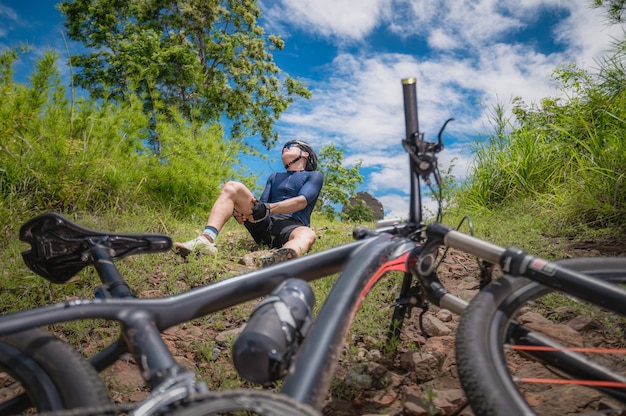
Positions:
{"x": 260, "y": 211}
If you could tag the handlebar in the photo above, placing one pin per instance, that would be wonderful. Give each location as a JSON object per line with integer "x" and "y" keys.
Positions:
{"x": 409, "y": 92}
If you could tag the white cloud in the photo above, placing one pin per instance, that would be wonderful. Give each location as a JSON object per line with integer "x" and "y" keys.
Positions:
{"x": 7, "y": 13}
{"x": 587, "y": 35}
{"x": 7, "y": 18}
{"x": 399, "y": 205}
{"x": 340, "y": 19}
{"x": 439, "y": 39}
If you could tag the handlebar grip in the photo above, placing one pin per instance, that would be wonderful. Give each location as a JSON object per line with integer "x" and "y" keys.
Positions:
{"x": 409, "y": 92}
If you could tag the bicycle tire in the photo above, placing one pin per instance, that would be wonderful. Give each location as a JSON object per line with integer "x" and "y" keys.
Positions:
{"x": 253, "y": 402}
{"x": 43, "y": 372}
{"x": 482, "y": 334}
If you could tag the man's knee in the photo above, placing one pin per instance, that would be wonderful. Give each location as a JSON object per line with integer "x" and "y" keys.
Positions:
{"x": 232, "y": 187}
{"x": 307, "y": 236}
{"x": 311, "y": 235}
{"x": 239, "y": 194}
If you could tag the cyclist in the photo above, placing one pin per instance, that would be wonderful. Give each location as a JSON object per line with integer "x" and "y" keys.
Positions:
{"x": 280, "y": 218}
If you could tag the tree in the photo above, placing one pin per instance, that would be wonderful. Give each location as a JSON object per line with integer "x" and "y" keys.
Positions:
{"x": 339, "y": 182}
{"x": 206, "y": 58}
{"x": 358, "y": 212}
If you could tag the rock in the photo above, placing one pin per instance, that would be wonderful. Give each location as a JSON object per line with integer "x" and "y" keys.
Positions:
{"x": 225, "y": 336}
{"x": 444, "y": 315}
{"x": 533, "y": 317}
{"x": 423, "y": 366}
{"x": 374, "y": 204}
{"x": 580, "y": 323}
{"x": 368, "y": 376}
{"x": 441, "y": 347}
{"x": 434, "y": 402}
{"x": 434, "y": 327}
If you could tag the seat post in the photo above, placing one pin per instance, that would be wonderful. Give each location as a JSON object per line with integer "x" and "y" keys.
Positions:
{"x": 109, "y": 274}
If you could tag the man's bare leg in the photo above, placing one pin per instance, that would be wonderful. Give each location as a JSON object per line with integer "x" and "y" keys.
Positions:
{"x": 233, "y": 196}
{"x": 300, "y": 241}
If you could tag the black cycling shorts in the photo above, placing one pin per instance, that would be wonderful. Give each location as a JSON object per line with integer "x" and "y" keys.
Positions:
{"x": 273, "y": 231}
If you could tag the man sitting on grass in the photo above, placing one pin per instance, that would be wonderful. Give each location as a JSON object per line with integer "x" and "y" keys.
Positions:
{"x": 281, "y": 218}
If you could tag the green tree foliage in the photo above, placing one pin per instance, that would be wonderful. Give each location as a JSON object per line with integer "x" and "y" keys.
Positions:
{"x": 92, "y": 156}
{"x": 205, "y": 59}
{"x": 358, "y": 212}
{"x": 340, "y": 182}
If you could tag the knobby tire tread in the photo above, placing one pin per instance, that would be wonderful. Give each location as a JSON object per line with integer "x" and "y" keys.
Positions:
{"x": 479, "y": 344}
{"x": 53, "y": 374}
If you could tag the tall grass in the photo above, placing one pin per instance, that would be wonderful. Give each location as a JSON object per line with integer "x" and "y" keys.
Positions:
{"x": 566, "y": 158}
{"x": 95, "y": 156}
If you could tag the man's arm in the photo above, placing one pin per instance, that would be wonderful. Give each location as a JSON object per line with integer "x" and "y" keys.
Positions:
{"x": 288, "y": 206}
{"x": 260, "y": 210}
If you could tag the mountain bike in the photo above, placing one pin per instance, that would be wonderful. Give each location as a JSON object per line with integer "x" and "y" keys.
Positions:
{"x": 282, "y": 344}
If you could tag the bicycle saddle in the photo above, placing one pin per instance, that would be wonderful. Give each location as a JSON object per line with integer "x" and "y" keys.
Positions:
{"x": 59, "y": 247}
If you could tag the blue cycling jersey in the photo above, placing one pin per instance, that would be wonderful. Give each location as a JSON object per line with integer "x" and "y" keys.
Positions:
{"x": 285, "y": 185}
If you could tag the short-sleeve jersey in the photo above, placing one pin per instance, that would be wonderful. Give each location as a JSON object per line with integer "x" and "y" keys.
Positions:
{"x": 285, "y": 185}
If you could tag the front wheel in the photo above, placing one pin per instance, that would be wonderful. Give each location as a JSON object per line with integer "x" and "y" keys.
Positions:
{"x": 40, "y": 371}
{"x": 511, "y": 361}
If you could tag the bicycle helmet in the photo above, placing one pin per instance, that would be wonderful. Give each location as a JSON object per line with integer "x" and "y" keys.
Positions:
{"x": 311, "y": 161}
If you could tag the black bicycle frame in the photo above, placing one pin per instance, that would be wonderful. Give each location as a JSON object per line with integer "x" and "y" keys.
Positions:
{"x": 361, "y": 263}
{"x": 314, "y": 366}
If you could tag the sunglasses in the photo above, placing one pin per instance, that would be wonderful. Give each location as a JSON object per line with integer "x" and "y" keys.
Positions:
{"x": 290, "y": 145}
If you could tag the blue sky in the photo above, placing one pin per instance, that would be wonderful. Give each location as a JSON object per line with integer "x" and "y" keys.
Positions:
{"x": 467, "y": 56}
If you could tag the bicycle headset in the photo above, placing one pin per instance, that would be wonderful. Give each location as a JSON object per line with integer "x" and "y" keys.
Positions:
{"x": 311, "y": 162}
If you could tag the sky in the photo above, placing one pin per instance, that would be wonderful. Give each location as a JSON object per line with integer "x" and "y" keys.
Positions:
{"x": 467, "y": 56}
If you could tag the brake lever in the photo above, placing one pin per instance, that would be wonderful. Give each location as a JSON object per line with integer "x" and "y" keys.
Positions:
{"x": 424, "y": 153}
{"x": 439, "y": 145}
